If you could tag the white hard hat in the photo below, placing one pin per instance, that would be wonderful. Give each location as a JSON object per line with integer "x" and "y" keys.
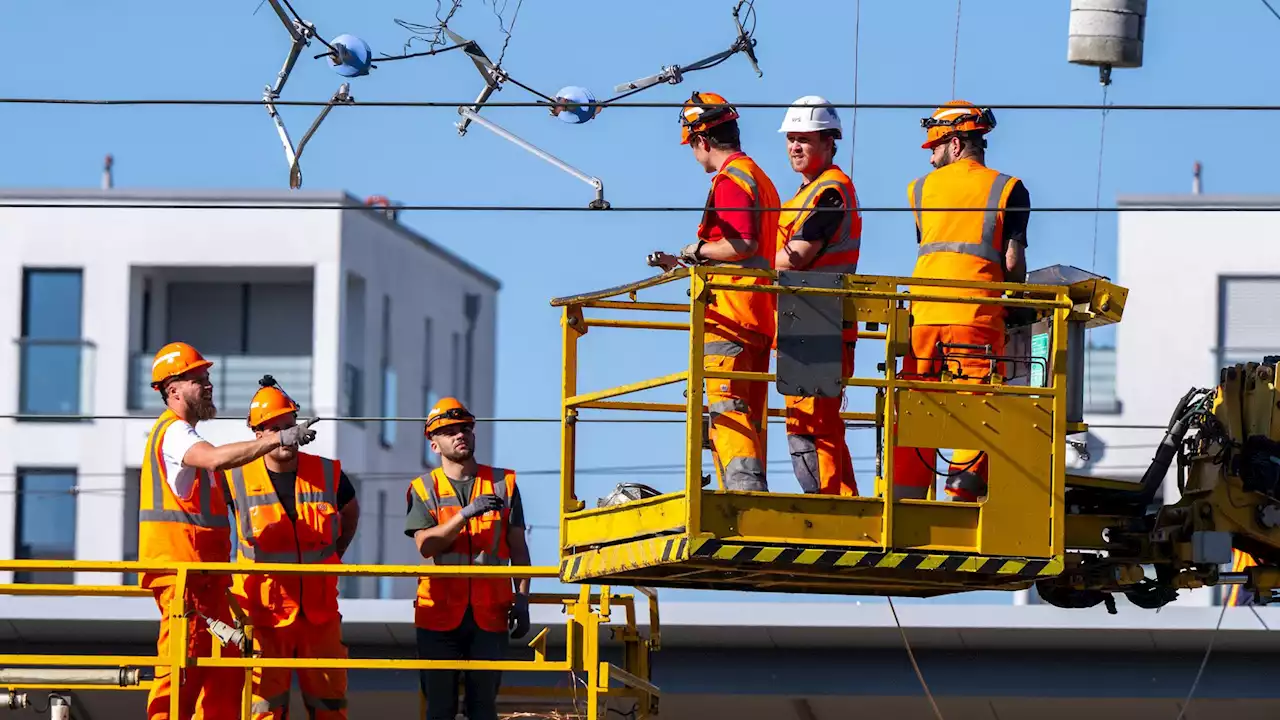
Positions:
{"x": 803, "y": 117}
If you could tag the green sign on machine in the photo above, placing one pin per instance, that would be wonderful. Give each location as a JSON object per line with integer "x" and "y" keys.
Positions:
{"x": 1039, "y": 358}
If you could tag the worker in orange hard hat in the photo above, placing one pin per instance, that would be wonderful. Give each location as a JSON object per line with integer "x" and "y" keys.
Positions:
{"x": 986, "y": 243}
{"x": 739, "y": 229}
{"x": 292, "y": 507}
{"x": 465, "y": 513}
{"x": 182, "y": 517}
{"x": 819, "y": 230}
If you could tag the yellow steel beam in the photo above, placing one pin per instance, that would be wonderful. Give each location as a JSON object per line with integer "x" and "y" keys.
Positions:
{"x": 74, "y": 590}
{"x": 875, "y": 294}
{"x": 275, "y": 568}
{"x": 639, "y": 306}
{"x": 609, "y": 672}
{"x": 954, "y": 387}
{"x": 383, "y": 664}
{"x": 636, "y": 324}
{"x": 605, "y": 394}
{"x": 80, "y": 660}
{"x": 639, "y": 406}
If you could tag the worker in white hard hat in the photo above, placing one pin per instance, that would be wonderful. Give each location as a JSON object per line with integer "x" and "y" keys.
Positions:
{"x": 819, "y": 229}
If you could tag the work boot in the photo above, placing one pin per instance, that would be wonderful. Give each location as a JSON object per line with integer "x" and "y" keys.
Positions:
{"x": 968, "y": 486}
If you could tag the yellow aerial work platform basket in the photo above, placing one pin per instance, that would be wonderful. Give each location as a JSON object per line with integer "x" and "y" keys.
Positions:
{"x": 703, "y": 537}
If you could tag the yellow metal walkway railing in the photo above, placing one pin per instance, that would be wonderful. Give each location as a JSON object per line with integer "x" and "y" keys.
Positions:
{"x": 586, "y": 613}
{"x": 712, "y": 538}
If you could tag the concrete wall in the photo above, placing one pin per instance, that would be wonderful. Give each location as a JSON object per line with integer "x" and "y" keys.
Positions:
{"x": 422, "y": 284}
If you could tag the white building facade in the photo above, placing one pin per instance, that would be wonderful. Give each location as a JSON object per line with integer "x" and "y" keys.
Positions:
{"x": 354, "y": 314}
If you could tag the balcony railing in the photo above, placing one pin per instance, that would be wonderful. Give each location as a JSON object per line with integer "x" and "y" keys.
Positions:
{"x": 235, "y": 380}
{"x": 55, "y": 377}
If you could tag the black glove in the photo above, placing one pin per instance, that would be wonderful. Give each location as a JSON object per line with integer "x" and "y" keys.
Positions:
{"x": 298, "y": 434}
{"x": 518, "y": 617}
{"x": 482, "y": 505}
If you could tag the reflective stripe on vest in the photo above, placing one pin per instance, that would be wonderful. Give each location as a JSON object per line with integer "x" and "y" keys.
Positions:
{"x": 244, "y": 517}
{"x": 433, "y": 502}
{"x": 203, "y": 516}
{"x": 840, "y": 253}
{"x": 989, "y": 247}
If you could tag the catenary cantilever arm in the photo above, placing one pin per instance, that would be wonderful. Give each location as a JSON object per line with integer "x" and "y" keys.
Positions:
{"x": 598, "y": 203}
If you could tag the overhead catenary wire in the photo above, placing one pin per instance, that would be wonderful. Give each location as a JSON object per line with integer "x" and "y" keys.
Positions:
{"x": 111, "y": 203}
{"x": 229, "y": 102}
{"x": 1203, "y": 663}
{"x": 911, "y": 655}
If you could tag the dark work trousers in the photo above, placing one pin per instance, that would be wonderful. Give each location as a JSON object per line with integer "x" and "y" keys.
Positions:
{"x": 466, "y": 642}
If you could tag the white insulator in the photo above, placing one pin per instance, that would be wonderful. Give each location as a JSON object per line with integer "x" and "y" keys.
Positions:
{"x": 1107, "y": 33}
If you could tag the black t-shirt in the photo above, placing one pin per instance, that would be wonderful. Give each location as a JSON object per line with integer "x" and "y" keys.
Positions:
{"x": 284, "y": 482}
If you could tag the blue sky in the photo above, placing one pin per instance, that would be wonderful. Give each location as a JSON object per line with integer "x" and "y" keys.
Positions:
{"x": 1010, "y": 51}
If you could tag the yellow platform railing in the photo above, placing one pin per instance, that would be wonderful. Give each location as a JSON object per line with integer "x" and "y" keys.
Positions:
{"x": 880, "y": 305}
{"x": 587, "y": 614}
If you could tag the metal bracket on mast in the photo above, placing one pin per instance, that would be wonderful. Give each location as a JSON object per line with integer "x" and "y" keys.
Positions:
{"x": 674, "y": 74}
{"x": 301, "y": 32}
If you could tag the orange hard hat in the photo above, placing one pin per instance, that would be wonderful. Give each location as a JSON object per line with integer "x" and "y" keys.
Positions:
{"x": 696, "y": 117}
{"x": 449, "y": 411}
{"x": 956, "y": 116}
{"x": 269, "y": 402}
{"x": 175, "y": 359}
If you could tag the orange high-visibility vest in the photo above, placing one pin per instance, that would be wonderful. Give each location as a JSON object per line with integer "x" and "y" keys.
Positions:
{"x": 965, "y": 245}
{"x": 266, "y": 535}
{"x": 442, "y": 600}
{"x": 841, "y": 254}
{"x": 172, "y": 530}
{"x": 735, "y": 312}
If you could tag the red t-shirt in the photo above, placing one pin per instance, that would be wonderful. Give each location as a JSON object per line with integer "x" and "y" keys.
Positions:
{"x": 738, "y": 224}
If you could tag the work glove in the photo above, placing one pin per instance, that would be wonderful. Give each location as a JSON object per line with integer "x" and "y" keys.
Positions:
{"x": 518, "y": 617}
{"x": 298, "y": 434}
{"x": 663, "y": 260}
{"x": 482, "y": 505}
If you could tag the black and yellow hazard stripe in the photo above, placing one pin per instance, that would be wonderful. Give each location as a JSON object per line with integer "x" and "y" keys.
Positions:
{"x": 627, "y": 557}
{"x": 817, "y": 558}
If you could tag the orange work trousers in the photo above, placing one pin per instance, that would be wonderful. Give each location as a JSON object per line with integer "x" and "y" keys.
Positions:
{"x": 914, "y": 468}
{"x": 737, "y": 408}
{"x": 815, "y": 437}
{"x": 324, "y": 690}
{"x": 204, "y": 693}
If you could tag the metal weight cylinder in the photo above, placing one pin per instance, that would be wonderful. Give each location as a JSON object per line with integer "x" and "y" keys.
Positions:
{"x": 1107, "y": 33}
{"x": 59, "y": 708}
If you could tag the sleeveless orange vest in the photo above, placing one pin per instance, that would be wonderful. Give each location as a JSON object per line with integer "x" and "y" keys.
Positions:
{"x": 960, "y": 245}
{"x": 736, "y": 312}
{"x": 443, "y": 600}
{"x": 172, "y": 530}
{"x": 266, "y": 535}
{"x": 841, "y": 254}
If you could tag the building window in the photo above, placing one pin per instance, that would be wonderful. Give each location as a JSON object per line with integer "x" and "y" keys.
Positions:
{"x": 353, "y": 368}
{"x": 471, "y": 310}
{"x": 1248, "y": 325}
{"x": 52, "y": 352}
{"x": 429, "y": 396}
{"x": 387, "y": 435}
{"x": 455, "y": 368}
{"x": 45, "y": 527}
{"x": 129, "y": 548}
